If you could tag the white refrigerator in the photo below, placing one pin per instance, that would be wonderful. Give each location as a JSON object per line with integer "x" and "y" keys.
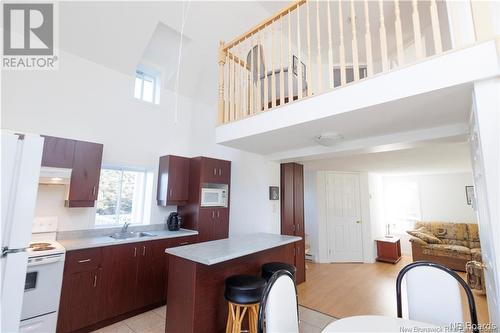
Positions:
{"x": 20, "y": 168}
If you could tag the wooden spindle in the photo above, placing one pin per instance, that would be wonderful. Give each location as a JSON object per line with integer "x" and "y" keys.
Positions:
{"x": 264, "y": 75}
{"x": 368, "y": 42}
{"x": 383, "y": 38}
{"x": 330, "y": 49}
{"x": 343, "y": 79}
{"x": 259, "y": 74}
{"x": 251, "y": 97}
{"x": 416, "y": 30}
{"x": 282, "y": 73}
{"x": 299, "y": 67}
{"x": 308, "y": 72}
{"x": 237, "y": 83}
{"x": 399, "y": 33}
{"x": 290, "y": 59}
{"x": 222, "y": 61}
{"x": 231, "y": 87}
{"x": 273, "y": 75}
{"x": 319, "y": 66}
{"x": 227, "y": 90}
{"x": 436, "y": 31}
{"x": 355, "y": 61}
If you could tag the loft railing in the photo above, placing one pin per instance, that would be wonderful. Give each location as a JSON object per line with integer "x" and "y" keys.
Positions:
{"x": 311, "y": 47}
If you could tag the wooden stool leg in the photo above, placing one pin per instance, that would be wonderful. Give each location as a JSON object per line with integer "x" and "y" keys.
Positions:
{"x": 230, "y": 317}
{"x": 254, "y": 318}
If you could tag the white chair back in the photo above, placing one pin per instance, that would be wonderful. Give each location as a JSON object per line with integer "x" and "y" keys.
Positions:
{"x": 433, "y": 296}
{"x": 278, "y": 308}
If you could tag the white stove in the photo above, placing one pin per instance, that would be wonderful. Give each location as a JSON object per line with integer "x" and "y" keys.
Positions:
{"x": 42, "y": 287}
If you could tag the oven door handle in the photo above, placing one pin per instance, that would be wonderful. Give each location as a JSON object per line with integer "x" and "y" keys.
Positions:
{"x": 43, "y": 261}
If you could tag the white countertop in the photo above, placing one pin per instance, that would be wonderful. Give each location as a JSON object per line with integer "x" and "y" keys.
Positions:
{"x": 214, "y": 252}
{"x": 98, "y": 241}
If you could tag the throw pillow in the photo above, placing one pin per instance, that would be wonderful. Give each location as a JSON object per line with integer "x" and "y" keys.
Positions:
{"x": 425, "y": 235}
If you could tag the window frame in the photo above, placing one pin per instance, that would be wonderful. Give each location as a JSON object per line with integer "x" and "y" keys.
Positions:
{"x": 147, "y": 75}
{"x": 141, "y": 204}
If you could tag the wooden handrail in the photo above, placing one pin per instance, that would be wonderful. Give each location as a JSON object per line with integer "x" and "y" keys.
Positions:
{"x": 264, "y": 23}
{"x": 300, "y": 53}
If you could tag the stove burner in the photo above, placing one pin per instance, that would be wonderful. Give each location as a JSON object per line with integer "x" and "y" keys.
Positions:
{"x": 35, "y": 245}
{"x": 43, "y": 248}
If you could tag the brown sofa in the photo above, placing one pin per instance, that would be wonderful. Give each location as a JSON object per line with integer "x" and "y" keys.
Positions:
{"x": 454, "y": 244}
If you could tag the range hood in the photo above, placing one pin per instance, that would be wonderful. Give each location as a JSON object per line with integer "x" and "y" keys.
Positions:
{"x": 54, "y": 176}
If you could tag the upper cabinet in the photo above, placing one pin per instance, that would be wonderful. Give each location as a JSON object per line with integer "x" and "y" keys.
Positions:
{"x": 84, "y": 158}
{"x": 173, "y": 180}
{"x": 84, "y": 184}
{"x": 215, "y": 171}
{"x": 58, "y": 152}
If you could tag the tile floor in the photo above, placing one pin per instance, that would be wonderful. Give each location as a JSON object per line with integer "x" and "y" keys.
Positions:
{"x": 154, "y": 322}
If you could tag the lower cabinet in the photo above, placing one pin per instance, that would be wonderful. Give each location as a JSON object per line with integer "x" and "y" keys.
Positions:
{"x": 103, "y": 283}
{"x": 81, "y": 300}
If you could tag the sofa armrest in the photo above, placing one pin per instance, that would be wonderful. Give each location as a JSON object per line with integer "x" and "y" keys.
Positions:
{"x": 418, "y": 241}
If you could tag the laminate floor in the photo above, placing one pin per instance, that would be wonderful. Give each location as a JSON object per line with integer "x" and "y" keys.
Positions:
{"x": 345, "y": 289}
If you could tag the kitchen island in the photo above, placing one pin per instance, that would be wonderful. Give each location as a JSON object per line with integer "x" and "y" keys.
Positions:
{"x": 195, "y": 298}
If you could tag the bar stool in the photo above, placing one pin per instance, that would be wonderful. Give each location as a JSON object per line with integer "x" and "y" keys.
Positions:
{"x": 243, "y": 293}
{"x": 272, "y": 267}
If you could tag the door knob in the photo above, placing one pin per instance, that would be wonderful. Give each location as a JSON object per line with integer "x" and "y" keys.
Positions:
{"x": 359, "y": 221}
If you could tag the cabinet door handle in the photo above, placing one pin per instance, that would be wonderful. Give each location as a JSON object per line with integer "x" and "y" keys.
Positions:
{"x": 84, "y": 261}
{"x": 215, "y": 171}
{"x": 95, "y": 281}
{"x": 213, "y": 214}
{"x": 143, "y": 250}
{"x": 93, "y": 191}
{"x": 183, "y": 243}
{"x": 218, "y": 214}
{"x": 220, "y": 172}
{"x": 170, "y": 192}
{"x": 135, "y": 252}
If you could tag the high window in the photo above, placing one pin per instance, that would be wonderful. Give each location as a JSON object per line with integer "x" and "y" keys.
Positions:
{"x": 147, "y": 87}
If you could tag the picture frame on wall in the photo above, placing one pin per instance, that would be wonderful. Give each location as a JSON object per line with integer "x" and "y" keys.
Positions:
{"x": 274, "y": 193}
{"x": 469, "y": 194}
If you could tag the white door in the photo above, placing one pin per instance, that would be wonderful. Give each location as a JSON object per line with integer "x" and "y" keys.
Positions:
{"x": 484, "y": 152}
{"x": 343, "y": 217}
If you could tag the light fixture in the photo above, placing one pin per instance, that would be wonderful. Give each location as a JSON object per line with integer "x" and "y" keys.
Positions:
{"x": 328, "y": 139}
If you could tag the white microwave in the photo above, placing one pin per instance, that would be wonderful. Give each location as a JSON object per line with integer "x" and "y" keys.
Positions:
{"x": 213, "y": 197}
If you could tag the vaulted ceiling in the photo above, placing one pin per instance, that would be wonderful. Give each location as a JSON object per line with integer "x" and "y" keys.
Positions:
{"x": 116, "y": 34}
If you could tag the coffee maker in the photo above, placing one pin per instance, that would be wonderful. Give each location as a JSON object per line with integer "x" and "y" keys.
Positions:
{"x": 174, "y": 221}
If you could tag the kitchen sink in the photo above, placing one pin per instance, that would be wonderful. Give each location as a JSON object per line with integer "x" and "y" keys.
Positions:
{"x": 128, "y": 234}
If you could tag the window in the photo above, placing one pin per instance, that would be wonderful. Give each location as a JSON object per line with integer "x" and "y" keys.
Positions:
{"x": 147, "y": 87}
{"x": 402, "y": 202}
{"x": 124, "y": 193}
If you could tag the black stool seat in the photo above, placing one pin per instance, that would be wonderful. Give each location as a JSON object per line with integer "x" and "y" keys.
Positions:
{"x": 244, "y": 289}
{"x": 272, "y": 267}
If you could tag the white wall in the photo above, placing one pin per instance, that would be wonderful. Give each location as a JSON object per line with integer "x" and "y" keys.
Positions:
{"x": 442, "y": 198}
{"x": 86, "y": 101}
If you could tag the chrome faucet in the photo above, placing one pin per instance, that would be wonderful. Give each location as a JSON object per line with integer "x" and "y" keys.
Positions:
{"x": 125, "y": 227}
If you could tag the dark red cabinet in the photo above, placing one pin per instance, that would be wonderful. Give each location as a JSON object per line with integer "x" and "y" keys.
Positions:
{"x": 84, "y": 185}
{"x": 84, "y": 158}
{"x": 215, "y": 171}
{"x": 116, "y": 281}
{"x": 292, "y": 211}
{"x": 58, "y": 152}
{"x": 173, "y": 180}
{"x": 213, "y": 224}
